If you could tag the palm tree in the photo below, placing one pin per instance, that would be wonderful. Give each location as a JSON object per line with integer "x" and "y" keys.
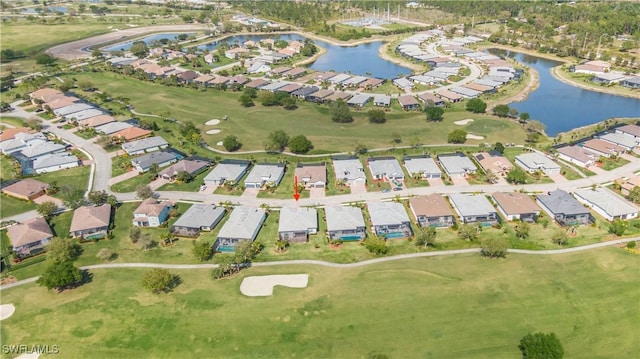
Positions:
{"x": 153, "y": 170}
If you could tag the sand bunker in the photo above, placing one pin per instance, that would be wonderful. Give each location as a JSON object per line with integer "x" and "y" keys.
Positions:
{"x": 220, "y": 143}
{"x": 263, "y": 286}
{"x": 464, "y": 122}
{"x": 29, "y": 356}
{"x": 6, "y": 310}
{"x": 213, "y": 122}
{"x": 474, "y": 137}
{"x": 213, "y": 132}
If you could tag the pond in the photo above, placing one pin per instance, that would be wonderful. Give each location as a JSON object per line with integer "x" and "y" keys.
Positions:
{"x": 124, "y": 46}
{"x": 562, "y": 107}
{"x": 361, "y": 60}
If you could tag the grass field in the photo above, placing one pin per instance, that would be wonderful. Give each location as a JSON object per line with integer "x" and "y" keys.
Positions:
{"x": 449, "y": 307}
{"x": 252, "y": 125}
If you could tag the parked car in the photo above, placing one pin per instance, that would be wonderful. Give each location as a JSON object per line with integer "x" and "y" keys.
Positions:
{"x": 386, "y": 190}
{"x": 397, "y": 188}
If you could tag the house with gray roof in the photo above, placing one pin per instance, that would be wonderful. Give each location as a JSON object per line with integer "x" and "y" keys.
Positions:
{"x": 474, "y": 209}
{"x": 466, "y": 92}
{"x": 563, "y": 208}
{"x": 83, "y": 115}
{"x": 354, "y": 81}
{"x": 424, "y": 80}
{"x": 319, "y": 96}
{"x": 349, "y": 170}
{"x": 297, "y": 223}
{"x": 243, "y": 224}
{"x": 54, "y": 162}
{"x": 390, "y": 220}
{"x": 423, "y": 166}
{"x": 112, "y": 127}
{"x": 22, "y": 141}
{"x": 632, "y": 131}
{"x": 199, "y": 217}
{"x": 162, "y": 158}
{"x": 274, "y": 86}
{"x": 149, "y": 144}
{"x": 263, "y": 173}
{"x": 345, "y": 223}
{"x": 359, "y": 100}
{"x": 227, "y": 170}
{"x": 385, "y": 168}
{"x": 535, "y": 161}
{"x": 304, "y": 92}
{"x": 381, "y": 100}
{"x": 620, "y": 139}
{"x": 403, "y": 83}
{"x": 632, "y": 82}
{"x": 71, "y": 109}
{"x": 457, "y": 164}
{"x": 37, "y": 149}
{"x": 192, "y": 166}
{"x": 606, "y": 203}
{"x": 339, "y": 78}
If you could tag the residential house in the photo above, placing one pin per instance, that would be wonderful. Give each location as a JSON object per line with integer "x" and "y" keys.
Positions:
{"x": 187, "y": 76}
{"x": 381, "y": 100}
{"x": 449, "y": 96}
{"x": 44, "y": 95}
{"x": 432, "y": 211}
{"x": 199, "y": 217}
{"x": 603, "y": 148}
{"x": 161, "y": 158}
{"x": 516, "y": 206}
{"x": 145, "y": 145}
{"x": 474, "y": 209}
{"x": 90, "y": 222}
{"x": 151, "y": 213}
{"x": 227, "y": 170}
{"x": 320, "y": 96}
{"x": 563, "y": 208}
{"x": 535, "y": 161}
{"x": 338, "y": 95}
{"x": 52, "y": 162}
{"x": 577, "y": 155}
{"x": 345, "y": 223}
{"x": 620, "y": 139}
{"x": 608, "y": 78}
{"x": 263, "y": 174}
{"x": 457, "y": 164}
{"x": 427, "y": 97}
{"x": 466, "y": 92}
{"x": 305, "y": 92}
{"x": 312, "y": 175}
{"x": 295, "y": 73}
{"x": 606, "y": 203}
{"x": 359, "y": 100}
{"x": 290, "y": 88}
{"x": 632, "y": 82}
{"x": 257, "y": 83}
{"x": 96, "y": 121}
{"x": 71, "y": 109}
{"x": 243, "y": 225}
{"x": 131, "y": 133}
{"x": 297, "y": 223}
{"x": 26, "y": 189}
{"x": 235, "y": 52}
{"x": 408, "y": 103}
{"x": 389, "y": 220}
{"x": 10, "y": 133}
{"x": 191, "y": 166}
{"x": 324, "y": 76}
{"x": 258, "y": 68}
{"x": 273, "y": 87}
{"x": 112, "y": 127}
{"x": 339, "y": 78}
{"x": 494, "y": 162}
{"x": 371, "y": 83}
{"x": 479, "y": 88}
{"x": 84, "y": 114}
{"x": 628, "y": 184}
{"x": 385, "y": 168}
{"x": 632, "y": 131}
{"x": 203, "y": 80}
{"x": 422, "y": 167}
{"x": 349, "y": 170}
{"x": 30, "y": 236}
{"x": 355, "y": 81}
{"x": 403, "y": 83}
{"x": 220, "y": 81}
{"x": 21, "y": 141}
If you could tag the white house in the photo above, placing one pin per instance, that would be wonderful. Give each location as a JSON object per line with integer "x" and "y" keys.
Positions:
{"x": 606, "y": 203}
{"x": 533, "y": 162}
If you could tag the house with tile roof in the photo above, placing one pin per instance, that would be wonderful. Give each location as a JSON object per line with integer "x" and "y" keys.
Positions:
{"x": 516, "y": 206}
{"x": 432, "y": 211}
{"x": 30, "y": 236}
{"x": 90, "y": 222}
{"x": 151, "y": 213}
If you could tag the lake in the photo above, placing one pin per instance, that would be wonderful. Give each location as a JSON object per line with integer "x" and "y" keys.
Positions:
{"x": 358, "y": 60}
{"x": 562, "y": 107}
{"x": 124, "y": 46}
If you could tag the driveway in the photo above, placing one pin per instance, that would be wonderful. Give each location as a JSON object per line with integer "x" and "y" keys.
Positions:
{"x": 250, "y": 193}
{"x": 123, "y": 177}
{"x": 316, "y": 193}
{"x": 459, "y": 181}
{"x": 435, "y": 182}
{"x": 358, "y": 188}
{"x": 558, "y": 178}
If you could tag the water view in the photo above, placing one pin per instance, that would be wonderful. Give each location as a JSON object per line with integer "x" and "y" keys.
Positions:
{"x": 358, "y": 60}
{"x": 562, "y": 107}
{"x": 124, "y": 46}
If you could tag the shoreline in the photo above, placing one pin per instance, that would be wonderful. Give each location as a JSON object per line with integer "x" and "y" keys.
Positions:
{"x": 382, "y": 53}
{"x": 587, "y": 127}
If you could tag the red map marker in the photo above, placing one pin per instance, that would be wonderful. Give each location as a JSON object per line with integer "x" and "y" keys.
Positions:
{"x": 296, "y": 195}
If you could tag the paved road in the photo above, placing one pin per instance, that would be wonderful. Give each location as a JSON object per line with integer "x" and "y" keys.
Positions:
{"x": 339, "y": 265}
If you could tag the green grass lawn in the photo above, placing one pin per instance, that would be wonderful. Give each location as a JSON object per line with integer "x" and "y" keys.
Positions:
{"x": 77, "y": 177}
{"x": 192, "y": 186}
{"x": 286, "y": 188}
{"x": 459, "y": 306}
{"x": 131, "y": 184}
{"x": 10, "y": 206}
{"x": 14, "y": 121}
{"x": 61, "y": 223}
{"x": 9, "y": 168}
{"x": 609, "y": 164}
{"x": 252, "y": 125}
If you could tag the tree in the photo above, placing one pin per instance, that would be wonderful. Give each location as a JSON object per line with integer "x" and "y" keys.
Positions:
{"x": 246, "y": 100}
{"x": 289, "y": 103}
{"x": 494, "y": 247}
{"x": 376, "y": 245}
{"x": 618, "y": 227}
{"x": 61, "y": 250}
{"x": 134, "y": 234}
{"x": 34, "y": 123}
{"x": 498, "y": 147}
{"x": 522, "y": 230}
{"x": 516, "y": 175}
{"x": 45, "y": 59}
{"x": 47, "y": 209}
{"x": 434, "y": 113}
{"x": 72, "y": 196}
{"x": 491, "y": 176}
{"x": 98, "y": 198}
{"x": 267, "y": 98}
{"x": 457, "y": 136}
{"x": 183, "y": 177}
{"x": 251, "y": 92}
{"x": 231, "y": 143}
{"x": 340, "y": 112}
{"x": 105, "y": 254}
{"x": 277, "y": 141}
{"x": 541, "y": 346}
{"x": 501, "y": 110}
{"x": 60, "y": 275}
{"x": 426, "y": 236}
{"x": 159, "y": 280}
{"x": 376, "y": 116}
{"x": 143, "y": 192}
{"x": 560, "y": 237}
{"x": 139, "y": 49}
{"x": 468, "y": 232}
{"x": 634, "y": 195}
{"x": 202, "y": 250}
{"x": 476, "y": 105}
{"x": 535, "y": 126}
{"x": 300, "y": 144}
{"x": 154, "y": 169}
{"x": 524, "y": 117}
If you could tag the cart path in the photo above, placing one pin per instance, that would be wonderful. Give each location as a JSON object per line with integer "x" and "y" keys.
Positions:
{"x": 340, "y": 265}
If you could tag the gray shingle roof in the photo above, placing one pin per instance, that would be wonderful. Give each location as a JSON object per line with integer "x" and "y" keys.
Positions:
{"x": 243, "y": 223}
{"x": 387, "y": 213}
{"x": 227, "y": 171}
{"x": 343, "y": 218}
{"x": 145, "y": 161}
{"x": 561, "y": 202}
{"x": 425, "y": 165}
{"x": 200, "y": 215}
{"x": 297, "y": 219}
{"x": 471, "y": 205}
{"x": 143, "y": 144}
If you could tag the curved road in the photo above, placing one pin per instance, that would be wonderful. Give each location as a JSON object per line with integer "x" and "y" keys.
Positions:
{"x": 339, "y": 265}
